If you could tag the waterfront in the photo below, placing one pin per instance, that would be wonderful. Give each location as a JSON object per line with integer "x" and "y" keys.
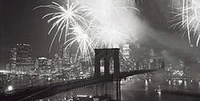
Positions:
{"x": 136, "y": 88}
{"x": 79, "y": 45}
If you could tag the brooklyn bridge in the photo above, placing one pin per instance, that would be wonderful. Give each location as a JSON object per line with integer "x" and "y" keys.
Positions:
{"x": 49, "y": 89}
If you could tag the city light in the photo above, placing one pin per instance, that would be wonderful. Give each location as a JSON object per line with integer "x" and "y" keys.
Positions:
{"x": 159, "y": 90}
{"x": 4, "y": 71}
{"x": 190, "y": 18}
{"x": 10, "y": 88}
{"x": 105, "y": 51}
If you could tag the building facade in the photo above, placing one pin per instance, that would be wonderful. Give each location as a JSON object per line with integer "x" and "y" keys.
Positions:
{"x": 20, "y": 58}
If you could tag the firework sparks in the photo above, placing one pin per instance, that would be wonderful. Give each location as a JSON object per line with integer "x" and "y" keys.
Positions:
{"x": 90, "y": 23}
{"x": 85, "y": 43}
{"x": 66, "y": 15}
{"x": 190, "y": 18}
{"x": 110, "y": 28}
{"x": 110, "y": 37}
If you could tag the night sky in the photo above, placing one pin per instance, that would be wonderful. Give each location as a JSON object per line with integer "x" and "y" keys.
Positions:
{"x": 20, "y": 24}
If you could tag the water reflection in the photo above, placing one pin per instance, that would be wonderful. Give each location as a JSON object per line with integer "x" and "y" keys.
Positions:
{"x": 137, "y": 88}
{"x": 146, "y": 84}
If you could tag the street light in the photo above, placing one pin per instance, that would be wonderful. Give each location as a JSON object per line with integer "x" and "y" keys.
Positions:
{"x": 10, "y": 88}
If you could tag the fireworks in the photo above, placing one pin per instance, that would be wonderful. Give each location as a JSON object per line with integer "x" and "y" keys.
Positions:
{"x": 110, "y": 37}
{"x": 190, "y": 18}
{"x": 81, "y": 36}
{"x": 69, "y": 14}
{"x": 110, "y": 28}
{"x": 90, "y": 23}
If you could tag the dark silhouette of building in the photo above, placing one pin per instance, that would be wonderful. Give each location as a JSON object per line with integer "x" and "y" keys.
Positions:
{"x": 20, "y": 57}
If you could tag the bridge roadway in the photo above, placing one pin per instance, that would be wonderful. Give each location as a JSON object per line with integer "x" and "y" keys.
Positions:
{"x": 47, "y": 90}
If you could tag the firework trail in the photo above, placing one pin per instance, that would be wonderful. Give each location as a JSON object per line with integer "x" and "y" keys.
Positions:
{"x": 109, "y": 28}
{"x": 70, "y": 14}
{"x": 81, "y": 36}
{"x": 189, "y": 12}
{"x": 90, "y": 23}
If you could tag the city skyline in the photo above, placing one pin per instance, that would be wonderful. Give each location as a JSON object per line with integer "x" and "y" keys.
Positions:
{"x": 21, "y": 24}
{"x": 96, "y": 50}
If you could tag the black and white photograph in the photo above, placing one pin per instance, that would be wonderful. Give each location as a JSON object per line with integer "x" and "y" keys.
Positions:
{"x": 99, "y": 50}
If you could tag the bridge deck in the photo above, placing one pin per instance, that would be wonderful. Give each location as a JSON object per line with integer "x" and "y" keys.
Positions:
{"x": 47, "y": 90}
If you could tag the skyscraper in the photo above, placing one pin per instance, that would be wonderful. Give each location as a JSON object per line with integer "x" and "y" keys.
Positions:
{"x": 125, "y": 59}
{"x": 12, "y": 57}
{"x": 20, "y": 57}
{"x": 126, "y": 51}
{"x": 24, "y": 53}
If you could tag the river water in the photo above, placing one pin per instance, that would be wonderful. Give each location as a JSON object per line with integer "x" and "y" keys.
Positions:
{"x": 134, "y": 88}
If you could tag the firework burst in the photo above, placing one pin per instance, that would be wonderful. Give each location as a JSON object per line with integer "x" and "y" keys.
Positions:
{"x": 110, "y": 37}
{"x": 189, "y": 12}
{"x": 72, "y": 13}
{"x": 90, "y": 23}
{"x": 107, "y": 16}
{"x": 85, "y": 42}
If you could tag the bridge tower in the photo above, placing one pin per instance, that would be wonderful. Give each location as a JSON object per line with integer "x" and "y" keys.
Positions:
{"x": 106, "y": 55}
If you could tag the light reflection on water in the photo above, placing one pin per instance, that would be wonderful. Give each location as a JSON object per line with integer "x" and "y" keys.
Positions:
{"x": 89, "y": 90}
{"x": 137, "y": 89}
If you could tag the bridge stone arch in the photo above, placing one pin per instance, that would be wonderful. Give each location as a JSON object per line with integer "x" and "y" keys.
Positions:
{"x": 107, "y": 55}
